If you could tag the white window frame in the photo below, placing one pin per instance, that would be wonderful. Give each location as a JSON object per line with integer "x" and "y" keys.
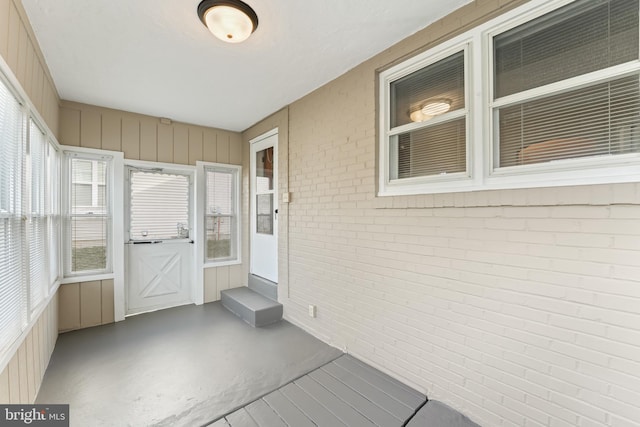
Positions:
{"x": 115, "y": 181}
{"x": 201, "y": 199}
{"x": 417, "y": 185}
{"x": 67, "y": 214}
{"x": 30, "y": 315}
{"x": 577, "y": 171}
{"x": 482, "y": 175}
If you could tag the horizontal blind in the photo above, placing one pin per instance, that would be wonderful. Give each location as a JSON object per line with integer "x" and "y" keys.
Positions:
{"x": 37, "y": 224}
{"x": 12, "y": 268}
{"x": 159, "y": 205}
{"x": 220, "y": 229}
{"x": 219, "y": 194}
{"x": 602, "y": 119}
{"x": 52, "y": 203}
{"x": 436, "y": 150}
{"x": 599, "y": 120}
{"x": 582, "y": 37}
{"x": 88, "y": 224}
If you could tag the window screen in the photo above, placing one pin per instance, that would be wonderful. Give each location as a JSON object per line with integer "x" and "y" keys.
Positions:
{"x": 159, "y": 206}
{"x": 597, "y": 119}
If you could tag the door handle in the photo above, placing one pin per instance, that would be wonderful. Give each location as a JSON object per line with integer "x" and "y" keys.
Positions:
{"x": 276, "y": 212}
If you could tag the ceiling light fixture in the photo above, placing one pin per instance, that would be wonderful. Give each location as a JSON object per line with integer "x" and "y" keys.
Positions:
{"x": 429, "y": 110}
{"x": 232, "y": 21}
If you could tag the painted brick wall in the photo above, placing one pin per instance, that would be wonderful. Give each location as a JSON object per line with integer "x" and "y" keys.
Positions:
{"x": 519, "y": 307}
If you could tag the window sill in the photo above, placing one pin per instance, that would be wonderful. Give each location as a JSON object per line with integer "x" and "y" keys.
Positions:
{"x": 87, "y": 278}
{"x": 213, "y": 264}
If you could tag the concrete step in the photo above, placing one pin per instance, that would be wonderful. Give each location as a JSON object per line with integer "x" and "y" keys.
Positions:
{"x": 264, "y": 287}
{"x": 250, "y": 306}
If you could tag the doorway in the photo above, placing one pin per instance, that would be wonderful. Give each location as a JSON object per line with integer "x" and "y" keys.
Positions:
{"x": 264, "y": 206}
{"x": 159, "y": 249}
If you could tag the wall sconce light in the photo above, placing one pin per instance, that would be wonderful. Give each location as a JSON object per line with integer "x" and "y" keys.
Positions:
{"x": 429, "y": 110}
{"x": 232, "y": 21}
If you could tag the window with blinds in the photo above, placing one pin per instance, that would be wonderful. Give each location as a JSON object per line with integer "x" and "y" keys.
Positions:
{"x": 88, "y": 216}
{"x": 159, "y": 205}
{"x": 221, "y": 214}
{"x": 37, "y": 221}
{"x": 13, "y": 293}
{"x": 561, "y": 87}
{"x": 427, "y": 121}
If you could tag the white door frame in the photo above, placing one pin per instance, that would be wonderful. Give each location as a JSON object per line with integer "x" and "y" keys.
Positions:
{"x": 120, "y": 291}
{"x": 252, "y": 197}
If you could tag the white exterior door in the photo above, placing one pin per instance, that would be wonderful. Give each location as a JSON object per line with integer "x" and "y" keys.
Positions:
{"x": 264, "y": 206}
{"x": 159, "y": 250}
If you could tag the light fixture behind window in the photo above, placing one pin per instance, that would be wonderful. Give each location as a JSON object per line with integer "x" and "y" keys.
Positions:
{"x": 429, "y": 110}
{"x": 232, "y": 21}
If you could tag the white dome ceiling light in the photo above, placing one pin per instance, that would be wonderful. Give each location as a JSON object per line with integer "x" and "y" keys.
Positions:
{"x": 232, "y": 21}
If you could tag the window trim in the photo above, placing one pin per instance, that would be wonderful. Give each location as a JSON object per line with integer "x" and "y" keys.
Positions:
{"x": 33, "y": 314}
{"x": 202, "y": 197}
{"x": 483, "y": 176}
{"x": 93, "y": 155}
{"x": 418, "y": 185}
{"x": 561, "y": 169}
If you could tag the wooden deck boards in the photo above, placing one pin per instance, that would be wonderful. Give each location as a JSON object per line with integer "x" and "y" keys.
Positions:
{"x": 345, "y": 392}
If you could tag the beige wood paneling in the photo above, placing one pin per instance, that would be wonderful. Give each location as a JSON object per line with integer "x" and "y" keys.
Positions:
{"x": 4, "y": 386}
{"x": 30, "y": 367}
{"x": 90, "y": 304}
{"x": 210, "y": 285}
{"x": 235, "y": 149}
{"x": 14, "y": 379}
{"x": 222, "y": 145}
{"x": 14, "y": 35}
{"x": 222, "y": 280}
{"x": 181, "y": 144}
{"x": 90, "y": 129}
{"x": 111, "y": 131}
{"x": 108, "y": 315}
{"x": 131, "y": 138}
{"x": 148, "y": 140}
{"x": 165, "y": 143}
{"x": 23, "y": 375}
{"x": 69, "y": 307}
{"x": 5, "y": 6}
{"x": 23, "y": 45}
{"x": 70, "y": 126}
{"x": 195, "y": 145}
{"x": 210, "y": 147}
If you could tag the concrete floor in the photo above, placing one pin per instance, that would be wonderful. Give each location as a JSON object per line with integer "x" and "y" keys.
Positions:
{"x": 184, "y": 366}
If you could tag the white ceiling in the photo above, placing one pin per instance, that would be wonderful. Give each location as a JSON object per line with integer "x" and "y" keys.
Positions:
{"x": 155, "y": 57}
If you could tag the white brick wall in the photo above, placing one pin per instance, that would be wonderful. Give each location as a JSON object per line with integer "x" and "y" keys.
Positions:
{"x": 517, "y": 307}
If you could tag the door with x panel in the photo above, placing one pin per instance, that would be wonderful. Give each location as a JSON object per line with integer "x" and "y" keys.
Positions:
{"x": 159, "y": 247}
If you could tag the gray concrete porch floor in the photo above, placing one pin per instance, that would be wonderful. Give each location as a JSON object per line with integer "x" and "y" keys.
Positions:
{"x": 184, "y": 366}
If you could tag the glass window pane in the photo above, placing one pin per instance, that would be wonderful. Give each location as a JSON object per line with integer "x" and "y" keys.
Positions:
{"x": 219, "y": 193}
{"x": 264, "y": 213}
{"x": 428, "y": 92}
{"x": 603, "y": 119}
{"x": 582, "y": 37}
{"x": 264, "y": 170}
{"x": 219, "y": 237}
{"x": 159, "y": 206}
{"x": 81, "y": 170}
{"x": 436, "y": 150}
{"x": 81, "y": 198}
{"x": 88, "y": 236}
